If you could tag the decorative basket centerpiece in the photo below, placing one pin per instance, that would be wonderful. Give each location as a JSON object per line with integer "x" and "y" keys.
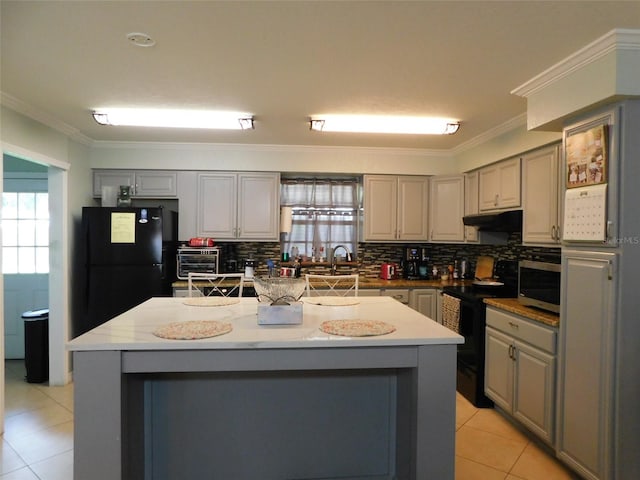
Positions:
{"x": 278, "y": 297}
{"x": 279, "y": 290}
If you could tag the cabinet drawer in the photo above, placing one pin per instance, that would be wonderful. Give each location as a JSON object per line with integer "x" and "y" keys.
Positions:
{"x": 400, "y": 294}
{"x": 523, "y": 329}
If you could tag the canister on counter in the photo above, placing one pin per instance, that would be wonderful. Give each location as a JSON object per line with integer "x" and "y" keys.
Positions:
{"x": 249, "y": 267}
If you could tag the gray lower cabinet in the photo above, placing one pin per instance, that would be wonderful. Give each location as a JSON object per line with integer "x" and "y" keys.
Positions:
{"x": 425, "y": 301}
{"x": 520, "y": 370}
{"x": 400, "y": 294}
{"x": 588, "y": 395}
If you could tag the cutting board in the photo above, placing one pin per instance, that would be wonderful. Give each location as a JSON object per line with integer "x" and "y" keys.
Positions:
{"x": 484, "y": 267}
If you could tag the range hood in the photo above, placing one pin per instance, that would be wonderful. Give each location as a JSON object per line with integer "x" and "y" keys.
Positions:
{"x": 509, "y": 221}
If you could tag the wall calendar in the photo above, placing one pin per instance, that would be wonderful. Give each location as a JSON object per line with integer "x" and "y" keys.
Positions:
{"x": 585, "y": 213}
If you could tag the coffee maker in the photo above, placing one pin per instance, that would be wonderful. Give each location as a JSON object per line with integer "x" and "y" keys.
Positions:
{"x": 411, "y": 263}
{"x": 423, "y": 264}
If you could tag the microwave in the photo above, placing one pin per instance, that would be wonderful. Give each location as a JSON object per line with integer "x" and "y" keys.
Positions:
{"x": 197, "y": 260}
{"x": 539, "y": 284}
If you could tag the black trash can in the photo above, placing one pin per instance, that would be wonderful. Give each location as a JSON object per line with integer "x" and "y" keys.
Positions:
{"x": 36, "y": 345}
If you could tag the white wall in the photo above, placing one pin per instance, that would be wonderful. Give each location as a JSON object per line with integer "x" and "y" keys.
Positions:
{"x": 506, "y": 145}
{"x": 31, "y": 140}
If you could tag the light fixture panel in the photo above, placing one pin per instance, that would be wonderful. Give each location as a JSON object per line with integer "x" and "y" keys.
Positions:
{"x": 172, "y": 118}
{"x": 384, "y": 124}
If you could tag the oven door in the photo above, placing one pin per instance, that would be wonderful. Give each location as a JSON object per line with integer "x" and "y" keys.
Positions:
{"x": 470, "y": 358}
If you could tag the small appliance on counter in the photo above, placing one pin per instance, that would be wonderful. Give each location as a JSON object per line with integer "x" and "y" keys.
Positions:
{"x": 410, "y": 263}
{"x": 388, "y": 271}
{"x": 249, "y": 267}
{"x": 197, "y": 260}
{"x": 230, "y": 265}
{"x": 415, "y": 264}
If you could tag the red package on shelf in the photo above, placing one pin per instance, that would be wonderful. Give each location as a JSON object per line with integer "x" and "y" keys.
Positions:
{"x": 201, "y": 242}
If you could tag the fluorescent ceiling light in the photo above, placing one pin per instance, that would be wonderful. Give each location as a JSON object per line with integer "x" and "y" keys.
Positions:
{"x": 384, "y": 124}
{"x": 141, "y": 117}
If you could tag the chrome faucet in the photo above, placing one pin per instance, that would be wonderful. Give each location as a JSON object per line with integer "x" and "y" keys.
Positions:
{"x": 333, "y": 257}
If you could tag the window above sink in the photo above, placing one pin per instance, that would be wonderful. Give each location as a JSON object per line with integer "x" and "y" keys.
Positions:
{"x": 324, "y": 215}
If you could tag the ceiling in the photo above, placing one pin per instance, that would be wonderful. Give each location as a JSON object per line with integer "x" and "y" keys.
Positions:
{"x": 286, "y": 60}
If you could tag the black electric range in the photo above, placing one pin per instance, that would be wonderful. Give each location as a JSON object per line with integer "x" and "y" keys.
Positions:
{"x": 472, "y": 324}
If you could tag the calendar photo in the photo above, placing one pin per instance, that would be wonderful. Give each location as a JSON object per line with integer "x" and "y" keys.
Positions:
{"x": 587, "y": 156}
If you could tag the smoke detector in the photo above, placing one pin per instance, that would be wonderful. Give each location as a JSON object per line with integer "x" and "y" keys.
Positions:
{"x": 141, "y": 39}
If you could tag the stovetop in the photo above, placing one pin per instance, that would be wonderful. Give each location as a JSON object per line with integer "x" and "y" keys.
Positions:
{"x": 476, "y": 293}
{"x": 506, "y": 271}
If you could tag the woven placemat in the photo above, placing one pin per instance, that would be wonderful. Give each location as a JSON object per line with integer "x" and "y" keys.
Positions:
{"x": 193, "y": 329}
{"x": 356, "y": 328}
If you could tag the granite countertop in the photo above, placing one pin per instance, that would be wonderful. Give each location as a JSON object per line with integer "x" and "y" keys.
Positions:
{"x": 375, "y": 283}
{"x": 514, "y": 306}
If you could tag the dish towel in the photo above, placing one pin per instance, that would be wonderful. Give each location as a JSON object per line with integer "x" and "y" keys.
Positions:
{"x": 451, "y": 312}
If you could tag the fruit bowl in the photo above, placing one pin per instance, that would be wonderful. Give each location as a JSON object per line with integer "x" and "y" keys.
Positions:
{"x": 279, "y": 290}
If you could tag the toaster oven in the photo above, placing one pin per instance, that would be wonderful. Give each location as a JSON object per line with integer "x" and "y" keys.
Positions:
{"x": 197, "y": 260}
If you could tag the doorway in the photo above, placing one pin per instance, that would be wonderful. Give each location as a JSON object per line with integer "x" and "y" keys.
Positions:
{"x": 25, "y": 247}
{"x": 57, "y": 178}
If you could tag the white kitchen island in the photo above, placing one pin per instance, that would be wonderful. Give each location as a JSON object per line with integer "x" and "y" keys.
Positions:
{"x": 265, "y": 402}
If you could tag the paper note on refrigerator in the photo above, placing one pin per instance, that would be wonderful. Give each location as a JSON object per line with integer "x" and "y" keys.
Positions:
{"x": 585, "y": 214}
{"x": 123, "y": 227}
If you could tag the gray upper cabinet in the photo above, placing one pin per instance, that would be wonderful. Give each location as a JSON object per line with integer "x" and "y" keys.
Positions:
{"x": 499, "y": 185}
{"x": 238, "y": 206}
{"x": 471, "y": 204}
{"x": 541, "y": 196}
{"x": 446, "y": 208}
{"x": 396, "y": 208}
{"x": 144, "y": 183}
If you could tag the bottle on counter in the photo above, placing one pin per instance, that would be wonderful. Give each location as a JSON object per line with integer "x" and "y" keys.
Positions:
{"x": 298, "y": 267}
{"x": 456, "y": 270}
{"x": 434, "y": 272}
{"x": 464, "y": 268}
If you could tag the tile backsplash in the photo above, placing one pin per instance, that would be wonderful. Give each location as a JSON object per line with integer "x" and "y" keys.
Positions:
{"x": 370, "y": 256}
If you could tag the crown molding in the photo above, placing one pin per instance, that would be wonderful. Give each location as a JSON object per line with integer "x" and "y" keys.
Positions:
{"x": 617, "y": 39}
{"x": 44, "y": 118}
{"x": 509, "y": 125}
{"x": 266, "y": 148}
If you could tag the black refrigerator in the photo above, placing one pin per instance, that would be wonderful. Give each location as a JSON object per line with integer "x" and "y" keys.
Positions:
{"x": 129, "y": 256}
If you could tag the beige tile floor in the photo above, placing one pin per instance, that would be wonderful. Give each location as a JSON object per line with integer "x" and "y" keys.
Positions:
{"x": 38, "y": 439}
